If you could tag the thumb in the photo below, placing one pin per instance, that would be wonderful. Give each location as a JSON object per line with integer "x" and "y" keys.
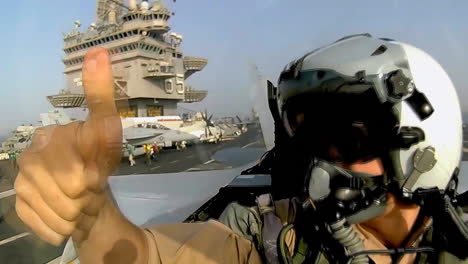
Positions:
{"x": 98, "y": 83}
{"x": 100, "y": 137}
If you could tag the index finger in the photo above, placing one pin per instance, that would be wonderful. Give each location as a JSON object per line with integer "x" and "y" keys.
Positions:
{"x": 98, "y": 83}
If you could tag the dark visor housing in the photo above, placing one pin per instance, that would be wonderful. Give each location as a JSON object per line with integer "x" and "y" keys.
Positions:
{"x": 342, "y": 126}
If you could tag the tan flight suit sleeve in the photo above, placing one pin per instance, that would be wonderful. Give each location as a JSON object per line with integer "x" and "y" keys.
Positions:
{"x": 246, "y": 221}
{"x": 208, "y": 243}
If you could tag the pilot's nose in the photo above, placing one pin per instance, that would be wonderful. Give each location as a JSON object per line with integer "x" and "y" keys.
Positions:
{"x": 373, "y": 167}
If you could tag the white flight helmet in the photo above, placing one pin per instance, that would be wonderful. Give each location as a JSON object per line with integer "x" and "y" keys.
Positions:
{"x": 425, "y": 144}
{"x": 443, "y": 129}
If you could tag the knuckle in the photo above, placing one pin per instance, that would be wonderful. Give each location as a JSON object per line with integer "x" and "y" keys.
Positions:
{"x": 21, "y": 188}
{"x": 66, "y": 228}
{"x": 21, "y": 208}
{"x": 70, "y": 213}
{"x": 21, "y": 216}
{"x": 65, "y": 208}
{"x": 29, "y": 163}
{"x": 50, "y": 237}
{"x": 41, "y": 138}
{"x": 75, "y": 187}
{"x": 55, "y": 240}
{"x": 23, "y": 159}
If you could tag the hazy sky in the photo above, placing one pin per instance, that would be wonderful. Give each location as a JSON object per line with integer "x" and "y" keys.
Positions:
{"x": 233, "y": 35}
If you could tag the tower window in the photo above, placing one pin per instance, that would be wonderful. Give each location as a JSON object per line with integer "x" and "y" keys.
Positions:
{"x": 169, "y": 87}
{"x": 155, "y": 110}
{"x": 180, "y": 88}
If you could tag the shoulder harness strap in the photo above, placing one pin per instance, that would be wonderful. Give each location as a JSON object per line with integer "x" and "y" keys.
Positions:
{"x": 271, "y": 227}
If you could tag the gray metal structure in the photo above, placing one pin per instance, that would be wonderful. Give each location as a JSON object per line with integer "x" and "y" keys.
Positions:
{"x": 21, "y": 137}
{"x": 19, "y": 140}
{"x": 155, "y": 134}
{"x": 148, "y": 64}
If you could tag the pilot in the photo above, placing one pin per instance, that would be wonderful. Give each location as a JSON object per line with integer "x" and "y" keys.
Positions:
{"x": 375, "y": 127}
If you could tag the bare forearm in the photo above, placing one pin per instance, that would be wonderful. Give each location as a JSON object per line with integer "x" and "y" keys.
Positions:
{"x": 112, "y": 239}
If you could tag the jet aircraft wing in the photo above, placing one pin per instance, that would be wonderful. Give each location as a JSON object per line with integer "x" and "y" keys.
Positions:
{"x": 149, "y": 199}
{"x": 131, "y": 133}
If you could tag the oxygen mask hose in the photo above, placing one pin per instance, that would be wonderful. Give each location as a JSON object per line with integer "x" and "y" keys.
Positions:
{"x": 350, "y": 240}
{"x": 333, "y": 194}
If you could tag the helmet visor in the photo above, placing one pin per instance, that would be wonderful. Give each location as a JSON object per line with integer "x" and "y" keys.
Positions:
{"x": 339, "y": 127}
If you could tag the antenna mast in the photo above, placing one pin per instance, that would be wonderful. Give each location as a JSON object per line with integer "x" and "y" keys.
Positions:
{"x": 103, "y": 8}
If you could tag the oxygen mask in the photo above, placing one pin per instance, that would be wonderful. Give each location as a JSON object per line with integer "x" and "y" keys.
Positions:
{"x": 335, "y": 193}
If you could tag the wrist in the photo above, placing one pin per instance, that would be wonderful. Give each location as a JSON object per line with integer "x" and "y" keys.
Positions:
{"x": 112, "y": 238}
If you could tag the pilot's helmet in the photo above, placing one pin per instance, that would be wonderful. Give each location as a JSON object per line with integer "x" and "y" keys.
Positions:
{"x": 363, "y": 97}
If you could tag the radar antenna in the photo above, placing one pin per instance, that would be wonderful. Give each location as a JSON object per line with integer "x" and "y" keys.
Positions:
{"x": 105, "y": 6}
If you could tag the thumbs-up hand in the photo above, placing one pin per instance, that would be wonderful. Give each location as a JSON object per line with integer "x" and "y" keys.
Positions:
{"x": 63, "y": 174}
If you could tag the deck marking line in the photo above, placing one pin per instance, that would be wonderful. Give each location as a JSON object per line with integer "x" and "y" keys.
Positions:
{"x": 155, "y": 167}
{"x": 7, "y": 193}
{"x": 13, "y": 238}
{"x": 208, "y": 162}
{"x": 193, "y": 169}
{"x": 174, "y": 161}
{"x": 250, "y": 144}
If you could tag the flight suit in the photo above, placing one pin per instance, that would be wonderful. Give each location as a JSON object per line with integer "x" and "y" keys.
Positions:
{"x": 205, "y": 243}
{"x": 236, "y": 240}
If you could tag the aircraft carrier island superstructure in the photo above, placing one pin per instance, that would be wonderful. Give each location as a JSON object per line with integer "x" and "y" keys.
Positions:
{"x": 149, "y": 67}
